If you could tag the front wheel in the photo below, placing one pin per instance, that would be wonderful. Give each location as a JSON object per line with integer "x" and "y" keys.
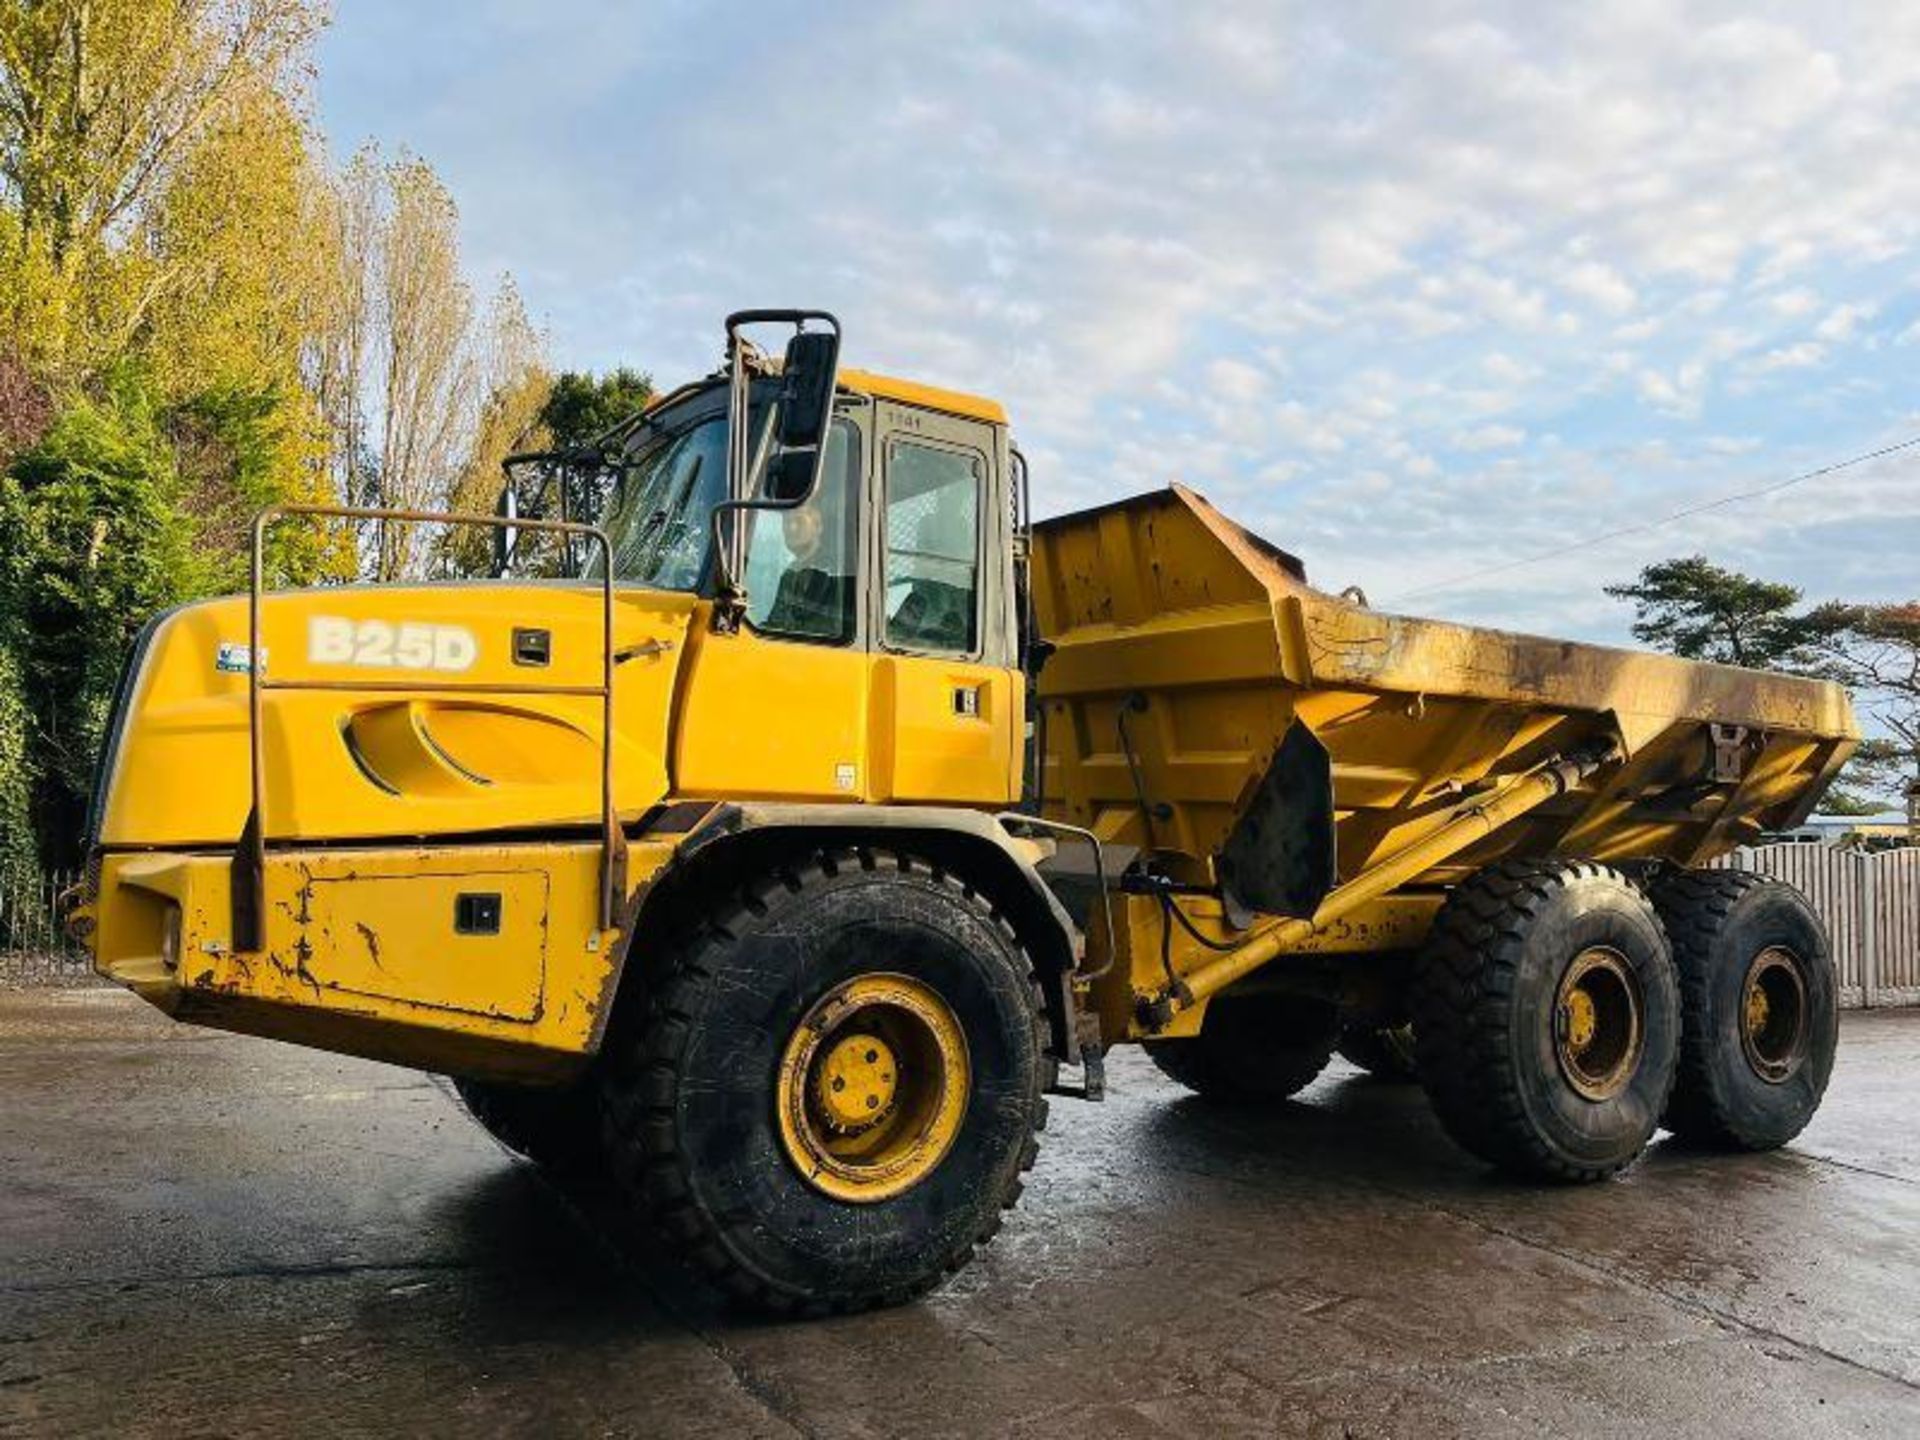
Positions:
{"x": 834, "y": 1087}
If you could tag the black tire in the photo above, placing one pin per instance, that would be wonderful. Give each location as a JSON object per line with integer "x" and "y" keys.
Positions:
{"x": 1723, "y": 922}
{"x": 557, "y": 1129}
{"x": 1490, "y": 1027}
{"x": 692, "y": 1084}
{"x": 1252, "y": 1049}
{"x": 1385, "y": 1052}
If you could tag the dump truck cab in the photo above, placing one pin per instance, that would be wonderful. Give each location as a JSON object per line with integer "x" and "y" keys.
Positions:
{"x": 421, "y": 826}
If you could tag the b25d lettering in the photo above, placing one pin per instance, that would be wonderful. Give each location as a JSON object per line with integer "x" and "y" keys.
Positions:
{"x": 409, "y": 645}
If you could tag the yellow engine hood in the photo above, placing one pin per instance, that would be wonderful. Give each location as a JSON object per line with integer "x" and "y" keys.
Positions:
{"x": 433, "y": 720}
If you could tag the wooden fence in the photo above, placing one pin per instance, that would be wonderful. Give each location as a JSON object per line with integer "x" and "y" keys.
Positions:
{"x": 1871, "y": 903}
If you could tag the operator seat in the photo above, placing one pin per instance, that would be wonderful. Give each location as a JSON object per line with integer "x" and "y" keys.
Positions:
{"x": 811, "y": 602}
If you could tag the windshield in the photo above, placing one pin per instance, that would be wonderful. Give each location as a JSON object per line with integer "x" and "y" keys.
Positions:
{"x": 658, "y": 515}
{"x": 658, "y": 518}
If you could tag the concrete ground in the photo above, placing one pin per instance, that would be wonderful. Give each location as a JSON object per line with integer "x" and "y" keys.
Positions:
{"x": 211, "y": 1235}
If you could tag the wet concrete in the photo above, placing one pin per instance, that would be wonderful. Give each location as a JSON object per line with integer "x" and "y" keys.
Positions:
{"x": 212, "y": 1235}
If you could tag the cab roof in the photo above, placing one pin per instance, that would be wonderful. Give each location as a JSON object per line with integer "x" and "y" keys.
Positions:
{"x": 929, "y": 397}
{"x": 880, "y": 387}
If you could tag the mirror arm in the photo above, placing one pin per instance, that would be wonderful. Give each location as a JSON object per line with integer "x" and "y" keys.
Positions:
{"x": 730, "y": 600}
{"x": 728, "y": 552}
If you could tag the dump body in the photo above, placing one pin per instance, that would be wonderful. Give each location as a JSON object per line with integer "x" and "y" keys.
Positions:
{"x": 1212, "y": 645}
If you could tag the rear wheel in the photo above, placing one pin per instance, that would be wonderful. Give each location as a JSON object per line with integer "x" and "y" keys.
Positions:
{"x": 556, "y": 1128}
{"x": 1760, "y": 1008}
{"x": 834, "y": 1087}
{"x": 1252, "y": 1048}
{"x": 1547, "y": 1018}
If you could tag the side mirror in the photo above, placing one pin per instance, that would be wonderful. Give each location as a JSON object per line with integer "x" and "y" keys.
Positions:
{"x": 803, "y": 403}
{"x": 806, "y": 409}
{"x": 806, "y": 388}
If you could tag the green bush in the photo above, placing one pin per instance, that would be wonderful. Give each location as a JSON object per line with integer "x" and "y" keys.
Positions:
{"x": 95, "y": 544}
{"x": 18, "y": 854}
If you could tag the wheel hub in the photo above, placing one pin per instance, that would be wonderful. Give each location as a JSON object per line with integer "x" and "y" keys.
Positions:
{"x": 1599, "y": 1029}
{"x": 1581, "y": 1020}
{"x": 856, "y": 1083}
{"x": 872, "y": 1087}
{"x": 1773, "y": 1015}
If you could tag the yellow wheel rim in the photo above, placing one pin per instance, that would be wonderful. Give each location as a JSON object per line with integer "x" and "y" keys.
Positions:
{"x": 1774, "y": 1028}
{"x": 873, "y": 1086}
{"x": 1598, "y": 1025}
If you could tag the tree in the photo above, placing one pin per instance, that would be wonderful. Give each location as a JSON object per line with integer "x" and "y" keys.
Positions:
{"x": 582, "y": 407}
{"x": 518, "y": 388}
{"x": 1840, "y": 801}
{"x": 342, "y": 220}
{"x": 96, "y": 542}
{"x": 1874, "y": 650}
{"x": 427, "y": 367}
{"x": 200, "y": 316}
{"x": 100, "y": 102}
{"x": 1694, "y": 608}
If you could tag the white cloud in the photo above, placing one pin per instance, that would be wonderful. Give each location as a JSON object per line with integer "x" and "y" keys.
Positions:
{"x": 1600, "y": 285}
{"x": 1842, "y": 321}
{"x": 1680, "y": 393}
{"x": 1489, "y": 437}
{"x": 1509, "y": 371}
{"x": 1793, "y": 303}
{"x": 1791, "y": 357}
{"x": 1236, "y": 380}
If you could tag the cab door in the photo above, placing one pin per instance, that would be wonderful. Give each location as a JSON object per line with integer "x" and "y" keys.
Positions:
{"x": 780, "y": 709}
{"x": 946, "y": 695}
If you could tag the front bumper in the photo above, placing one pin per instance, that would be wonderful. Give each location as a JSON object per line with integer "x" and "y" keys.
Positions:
{"x": 482, "y": 960}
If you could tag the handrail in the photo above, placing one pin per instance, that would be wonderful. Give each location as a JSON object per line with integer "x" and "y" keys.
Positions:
{"x": 250, "y": 854}
{"x": 1010, "y": 818}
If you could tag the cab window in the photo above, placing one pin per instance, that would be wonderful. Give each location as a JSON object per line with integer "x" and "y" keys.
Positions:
{"x": 802, "y": 564}
{"x": 933, "y": 548}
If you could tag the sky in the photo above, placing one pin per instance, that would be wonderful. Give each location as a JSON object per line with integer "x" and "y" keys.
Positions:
{"x": 1415, "y": 289}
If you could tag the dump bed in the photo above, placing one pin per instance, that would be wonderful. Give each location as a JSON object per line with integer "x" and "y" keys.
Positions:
{"x": 1185, "y": 647}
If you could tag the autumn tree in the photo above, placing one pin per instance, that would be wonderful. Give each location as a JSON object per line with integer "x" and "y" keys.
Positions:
{"x": 516, "y": 385}
{"x": 101, "y": 101}
{"x": 423, "y": 356}
{"x": 342, "y": 222}
{"x": 201, "y": 316}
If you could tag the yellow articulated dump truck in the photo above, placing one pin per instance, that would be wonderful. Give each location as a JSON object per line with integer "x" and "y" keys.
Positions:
{"x": 769, "y": 848}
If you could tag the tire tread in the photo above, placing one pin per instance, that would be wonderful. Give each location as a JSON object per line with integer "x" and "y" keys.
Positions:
{"x": 640, "y": 1114}
{"x": 1697, "y": 906}
{"x": 1461, "y": 1000}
